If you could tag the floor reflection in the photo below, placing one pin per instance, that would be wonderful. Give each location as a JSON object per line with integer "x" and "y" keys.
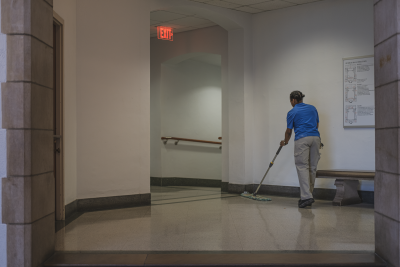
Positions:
{"x": 204, "y": 219}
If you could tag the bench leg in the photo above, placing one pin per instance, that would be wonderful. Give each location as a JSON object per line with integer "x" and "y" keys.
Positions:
{"x": 346, "y": 192}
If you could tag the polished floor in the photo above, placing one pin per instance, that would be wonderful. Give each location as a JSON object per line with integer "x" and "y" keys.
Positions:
{"x": 279, "y": 259}
{"x": 190, "y": 219}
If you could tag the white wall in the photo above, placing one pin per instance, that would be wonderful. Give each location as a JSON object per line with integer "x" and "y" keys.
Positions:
{"x": 301, "y": 48}
{"x": 113, "y": 96}
{"x": 191, "y": 108}
{"x": 271, "y": 52}
{"x": 113, "y": 110}
{"x": 3, "y": 148}
{"x": 67, "y": 10}
{"x": 212, "y": 40}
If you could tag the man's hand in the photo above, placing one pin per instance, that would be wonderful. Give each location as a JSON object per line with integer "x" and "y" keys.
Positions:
{"x": 288, "y": 134}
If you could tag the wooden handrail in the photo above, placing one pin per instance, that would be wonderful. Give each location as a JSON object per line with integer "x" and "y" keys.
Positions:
{"x": 165, "y": 139}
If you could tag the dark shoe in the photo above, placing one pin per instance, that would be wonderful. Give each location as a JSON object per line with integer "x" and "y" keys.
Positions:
{"x": 299, "y": 202}
{"x": 306, "y": 202}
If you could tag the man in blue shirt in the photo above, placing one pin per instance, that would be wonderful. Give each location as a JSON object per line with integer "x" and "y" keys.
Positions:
{"x": 304, "y": 120}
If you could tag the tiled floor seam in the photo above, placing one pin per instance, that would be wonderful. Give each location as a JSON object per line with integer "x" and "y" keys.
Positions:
{"x": 191, "y": 201}
{"x": 234, "y": 225}
{"x": 182, "y": 197}
{"x": 184, "y": 236}
{"x": 193, "y": 188}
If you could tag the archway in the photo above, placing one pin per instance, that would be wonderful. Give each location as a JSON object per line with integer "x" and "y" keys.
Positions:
{"x": 236, "y": 108}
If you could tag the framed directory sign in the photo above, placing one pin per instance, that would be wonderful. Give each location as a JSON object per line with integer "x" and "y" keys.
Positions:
{"x": 358, "y": 92}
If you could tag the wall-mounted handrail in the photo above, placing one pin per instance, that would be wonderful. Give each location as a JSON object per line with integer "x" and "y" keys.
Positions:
{"x": 177, "y": 139}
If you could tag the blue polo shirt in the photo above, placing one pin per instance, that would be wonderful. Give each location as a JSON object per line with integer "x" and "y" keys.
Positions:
{"x": 303, "y": 118}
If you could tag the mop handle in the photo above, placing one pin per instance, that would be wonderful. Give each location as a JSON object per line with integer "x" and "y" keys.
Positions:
{"x": 270, "y": 165}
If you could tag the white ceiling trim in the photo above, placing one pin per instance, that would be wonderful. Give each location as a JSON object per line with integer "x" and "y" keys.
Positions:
{"x": 254, "y": 6}
{"x": 182, "y": 21}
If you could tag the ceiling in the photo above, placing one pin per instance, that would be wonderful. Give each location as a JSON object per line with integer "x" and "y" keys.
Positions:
{"x": 254, "y": 6}
{"x": 182, "y": 20}
{"x": 179, "y": 20}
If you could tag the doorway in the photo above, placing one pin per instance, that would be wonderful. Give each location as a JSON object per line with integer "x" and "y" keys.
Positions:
{"x": 190, "y": 124}
{"x": 58, "y": 116}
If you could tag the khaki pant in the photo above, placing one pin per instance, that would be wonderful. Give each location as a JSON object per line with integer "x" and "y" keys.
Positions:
{"x": 306, "y": 157}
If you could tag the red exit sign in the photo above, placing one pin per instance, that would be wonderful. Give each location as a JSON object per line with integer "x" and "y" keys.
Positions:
{"x": 165, "y": 33}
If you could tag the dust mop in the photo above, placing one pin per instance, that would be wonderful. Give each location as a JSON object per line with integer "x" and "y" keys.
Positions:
{"x": 254, "y": 195}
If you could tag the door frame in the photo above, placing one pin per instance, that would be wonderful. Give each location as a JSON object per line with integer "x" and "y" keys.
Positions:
{"x": 59, "y": 182}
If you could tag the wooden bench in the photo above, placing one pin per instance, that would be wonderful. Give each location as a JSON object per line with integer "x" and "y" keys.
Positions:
{"x": 346, "y": 184}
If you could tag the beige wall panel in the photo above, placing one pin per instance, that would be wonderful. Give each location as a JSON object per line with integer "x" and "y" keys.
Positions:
{"x": 29, "y": 152}
{"x": 113, "y": 99}
{"x": 35, "y": 198}
{"x": 67, "y": 10}
{"x": 29, "y": 245}
{"x": 27, "y": 105}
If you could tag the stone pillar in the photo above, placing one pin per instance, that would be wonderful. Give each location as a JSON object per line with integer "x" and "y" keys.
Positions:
{"x": 387, "y": 137}
{"x": 28, "y": 191}
{"x": 3, "y": 145}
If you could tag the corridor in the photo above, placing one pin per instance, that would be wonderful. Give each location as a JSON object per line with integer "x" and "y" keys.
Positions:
{"x": 201, "y": 219}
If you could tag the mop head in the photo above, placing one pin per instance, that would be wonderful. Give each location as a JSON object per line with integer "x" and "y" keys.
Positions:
{"x": 259, "y": 198}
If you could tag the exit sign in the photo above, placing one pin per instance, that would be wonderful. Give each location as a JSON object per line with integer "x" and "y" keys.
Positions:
{"x": 165, "y": 33}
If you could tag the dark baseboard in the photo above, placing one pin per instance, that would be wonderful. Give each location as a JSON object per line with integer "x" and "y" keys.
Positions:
{"x": 77, "y": 207}
{"x": 324, "y": 193}
{"x": 177, "y": 181}
{"x": 277, "y": 190}
{"x": 116, "y": 202}
{"x": 71, "y": 213}
{"x": 224, "y": 186}
{"x": 119, "y": 202}
{"x": 238, "y": 188}
{"x": 70, "y": 209}
{"x": 155, "y": 181}
{"x": 294, "y": 191}
{"x": 367, "y": 196}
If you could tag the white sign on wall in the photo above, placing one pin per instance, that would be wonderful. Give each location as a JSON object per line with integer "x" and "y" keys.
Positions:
{"x": 358, "y": 92}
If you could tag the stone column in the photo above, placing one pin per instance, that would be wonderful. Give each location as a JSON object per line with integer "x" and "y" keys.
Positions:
{"x": 3, "y": 145}
{"x": 387, "y": 144}
{"x": 28, "y": 191}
